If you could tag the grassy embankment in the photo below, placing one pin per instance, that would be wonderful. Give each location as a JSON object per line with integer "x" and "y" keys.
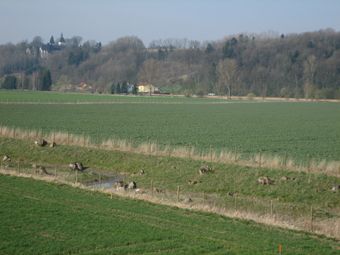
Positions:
{"x": 232, "y": 188}
{"x": 43, "y": 218}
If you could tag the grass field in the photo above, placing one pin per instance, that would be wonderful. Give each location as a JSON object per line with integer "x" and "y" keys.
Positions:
{"x": 299, "y": 130}
{"x": 42, "y": 218}
{"x": 7, "y": 96}
{"x": 290, "y": 201}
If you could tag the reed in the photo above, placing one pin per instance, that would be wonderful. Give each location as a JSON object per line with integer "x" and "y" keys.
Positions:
{"x": 331, "y": 168}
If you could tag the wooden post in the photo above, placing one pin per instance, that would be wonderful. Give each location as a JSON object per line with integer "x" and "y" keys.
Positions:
{"x": 311, "y": 218}
{"x": 83, "y": 140}
{"x": 14, "y": 133}
{"x": 19, "y": 167}
{"x": 279, "y": 248}
{"x": 53, "y": 136}
{"x": 308, "y": 168}
{"x": 178, "y": 191}
{"x": 68, "y": 138}
{"x": 210, "y": 154}
{"x": 111, "y": 194}
{"x": 55, "y": 172}
{"x": 76, "y": 176}
{"x": 260, "y": 159}
{"x": 235, "y": 202}
{"x": 285, "y": 159}
{"x": 271, "y": 207}
{"x": 152, "y": 187}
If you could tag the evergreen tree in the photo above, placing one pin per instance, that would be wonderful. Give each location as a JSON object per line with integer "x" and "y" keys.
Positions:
{"x": 118, "y": 90}
{"x": 10, "y": 82}
{"x": 209, "y": 48}
{"x": 135, "y": 90}
{"x": 113, "y": 88}
{"x": 229, "y": 48}
{"x": 44, "y": 79}
{"x": 62, "y": 39}
{"x": 52, "y": 40}
{"x": 124, "y": 88}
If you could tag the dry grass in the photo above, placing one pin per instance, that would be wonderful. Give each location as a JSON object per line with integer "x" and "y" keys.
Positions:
{"x": 328, "y": 227}
{"x": 331, "y": 168}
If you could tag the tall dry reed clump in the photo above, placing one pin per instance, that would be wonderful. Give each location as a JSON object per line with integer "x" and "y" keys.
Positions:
{"x": 331, "y": 168}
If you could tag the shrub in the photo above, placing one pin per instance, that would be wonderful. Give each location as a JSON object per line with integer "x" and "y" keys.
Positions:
{"x": 251, "y": 96}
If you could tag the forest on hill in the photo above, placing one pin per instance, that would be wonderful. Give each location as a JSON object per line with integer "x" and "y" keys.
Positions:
{"x": 305, "y": 65}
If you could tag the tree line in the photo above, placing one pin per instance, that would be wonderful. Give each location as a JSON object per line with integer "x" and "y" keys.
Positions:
{"x": 305, "y": 65}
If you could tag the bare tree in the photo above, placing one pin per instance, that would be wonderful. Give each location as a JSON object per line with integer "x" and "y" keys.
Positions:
{"x": 148, "y": 73}
{"x": 309, "y": 74}
{"x": 227, "y": 73}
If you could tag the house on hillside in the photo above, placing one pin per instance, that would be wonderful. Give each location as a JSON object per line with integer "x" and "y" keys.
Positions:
{"x": 145, "y": 88}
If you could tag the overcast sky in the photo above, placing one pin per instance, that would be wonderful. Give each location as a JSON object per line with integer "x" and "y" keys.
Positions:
{"x": 105, "y": 20}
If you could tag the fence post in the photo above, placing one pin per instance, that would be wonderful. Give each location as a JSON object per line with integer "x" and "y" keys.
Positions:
{"x": 260, "y": 159}
{"x": 19, "y": 167}
{"x": 55, "y": 172}
{"x": 271, "y": 207}
{"x": 210, "y": 154}
{"x": 178, "y": 191}
{"x": 152, "y": 187}
{"x": 311, "y": 218}
{"x": 308, "y": 168}
{"x": 280, "y": 249}
{"x": 76, "y": 176}
{"x": 285, "y": 159}
{"x": 68, "y": 138}
{"x": 235, "y": 202}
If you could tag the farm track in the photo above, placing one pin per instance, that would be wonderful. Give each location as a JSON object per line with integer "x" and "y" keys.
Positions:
{"x": 131, "y": 102}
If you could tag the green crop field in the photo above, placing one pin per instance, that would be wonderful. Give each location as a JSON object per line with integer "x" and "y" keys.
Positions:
{"x": 301, "y": 130}
{"x": 42, "y": 218}
{"x": 7, "y": 96}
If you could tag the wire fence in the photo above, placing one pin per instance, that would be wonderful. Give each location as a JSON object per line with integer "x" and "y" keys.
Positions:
{"x": 303, "y": 217}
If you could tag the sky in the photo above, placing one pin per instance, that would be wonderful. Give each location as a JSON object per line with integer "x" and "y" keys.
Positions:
{"x": 203, "y": 20}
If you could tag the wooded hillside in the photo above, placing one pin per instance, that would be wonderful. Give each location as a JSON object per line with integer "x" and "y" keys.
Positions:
{"x": 303, "y": 65}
